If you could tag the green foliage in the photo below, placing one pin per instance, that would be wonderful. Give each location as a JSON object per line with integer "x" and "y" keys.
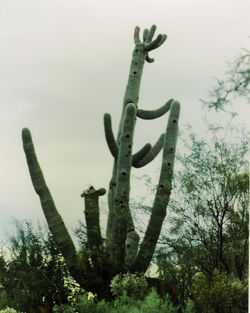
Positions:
{"x": 236, "y": 84}
{"x": 33, "y": 275}
{"x": 176, "y": 275}
{"x": 8, "y": 310}
{"x": 210, "y": 220}
{"x": 134, "y": 285}
{"x": 123, "y": 304}
{"x": 220, "y": 294}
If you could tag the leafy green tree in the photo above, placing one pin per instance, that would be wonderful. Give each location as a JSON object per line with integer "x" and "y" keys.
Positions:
{"x": 209, "y": 221}
{"x": 211, "y": 217}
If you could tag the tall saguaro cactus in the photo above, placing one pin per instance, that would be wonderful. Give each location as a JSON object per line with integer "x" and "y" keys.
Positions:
{"x": 121, "y": 248}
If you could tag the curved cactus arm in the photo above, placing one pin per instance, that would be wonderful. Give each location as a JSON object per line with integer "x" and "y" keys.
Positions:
{"x": 54, "y": 219}
{"x": 153, "y": 152}
{"x": 91, "y": 197}
{"x": 141, "y": 153}
{"x": 152, "y": 114}
{"x": 109, "y": 135}
{"x": 160, "y": 39}
{"x": 149, "y": 60}
{"x": 163, "y": 192}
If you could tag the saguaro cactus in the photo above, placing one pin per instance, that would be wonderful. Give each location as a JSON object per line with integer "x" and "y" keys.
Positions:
{"x": 121, "y": 246}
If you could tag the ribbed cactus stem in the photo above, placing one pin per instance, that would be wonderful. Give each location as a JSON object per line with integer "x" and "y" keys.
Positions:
{"x": 164, "y": 187}
{"x": 140, "y": 54}
{"x": 131, "y": 96}
{"x": 54, "y": 219}
{"x": 121, "y": 200}
{"x": 91, "y": 197}
{"x": 132, "y": 243}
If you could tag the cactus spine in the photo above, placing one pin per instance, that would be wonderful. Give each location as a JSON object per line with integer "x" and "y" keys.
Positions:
{"x": 122, "y": 241}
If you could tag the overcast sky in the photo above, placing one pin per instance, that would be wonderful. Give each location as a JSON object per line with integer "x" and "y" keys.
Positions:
{"x": 64, "y": 63}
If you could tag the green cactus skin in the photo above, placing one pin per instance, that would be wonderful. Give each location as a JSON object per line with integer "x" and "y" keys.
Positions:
{"x": 54, "y": 219}
{"x": 152, "y": 153}
{"x": 132, "y": 243}
{"x": 110, "y": 135}
{"x": 152, "y": 114}
{"x": 141, "y": 153}
{"x": 121, "y": 199}
{"x": 112, "y": 143}
{"x": 91, "y": 197}
{"x": 163, "y": 192}
{"x": 121, "y": 248}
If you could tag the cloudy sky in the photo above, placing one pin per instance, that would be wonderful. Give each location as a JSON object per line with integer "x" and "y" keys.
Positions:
{"x": 64, "y": 63}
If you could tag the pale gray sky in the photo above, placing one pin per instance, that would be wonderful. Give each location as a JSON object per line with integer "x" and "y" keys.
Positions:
{"x": 64, "y": 63}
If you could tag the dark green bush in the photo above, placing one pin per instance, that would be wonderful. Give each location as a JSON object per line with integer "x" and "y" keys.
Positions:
{"x": 33, "y": 275}
{"x": 220, "y": 294}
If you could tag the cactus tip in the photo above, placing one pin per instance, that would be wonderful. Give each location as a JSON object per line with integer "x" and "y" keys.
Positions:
{"x": 26, "y": 133}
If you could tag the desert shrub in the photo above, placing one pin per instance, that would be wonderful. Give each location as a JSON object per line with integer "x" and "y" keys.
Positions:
{"x": 122, "y": 304}
{"x": 33, "y": 275}
{"x": 220, "y": 294}
{"x": 133, "y": 285}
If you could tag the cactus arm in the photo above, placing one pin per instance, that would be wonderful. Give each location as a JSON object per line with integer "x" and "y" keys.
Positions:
{"x": 91, "y": 198}
{"x": 145, "y": 34}
{"x": 152, "y": 114}
{"x": 163, "y": 192}
{"x": 137, "y": 35}
{"x": 150, "y": 34}
{"x": 158, "y": 44}
{"x": 153, "y": 152}
{"x": 54, "y": 220}
{"x": 111, "y": 193}
{"x": 149, "y": 60}
{"x": 141, "y": 153}
{"x": 121, "y": 200}
{"x": 160, "y": 39}
{"x": 110, "y": 135}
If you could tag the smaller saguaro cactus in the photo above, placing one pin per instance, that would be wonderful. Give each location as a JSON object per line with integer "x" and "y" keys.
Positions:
{"x": 120, "y": 249}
